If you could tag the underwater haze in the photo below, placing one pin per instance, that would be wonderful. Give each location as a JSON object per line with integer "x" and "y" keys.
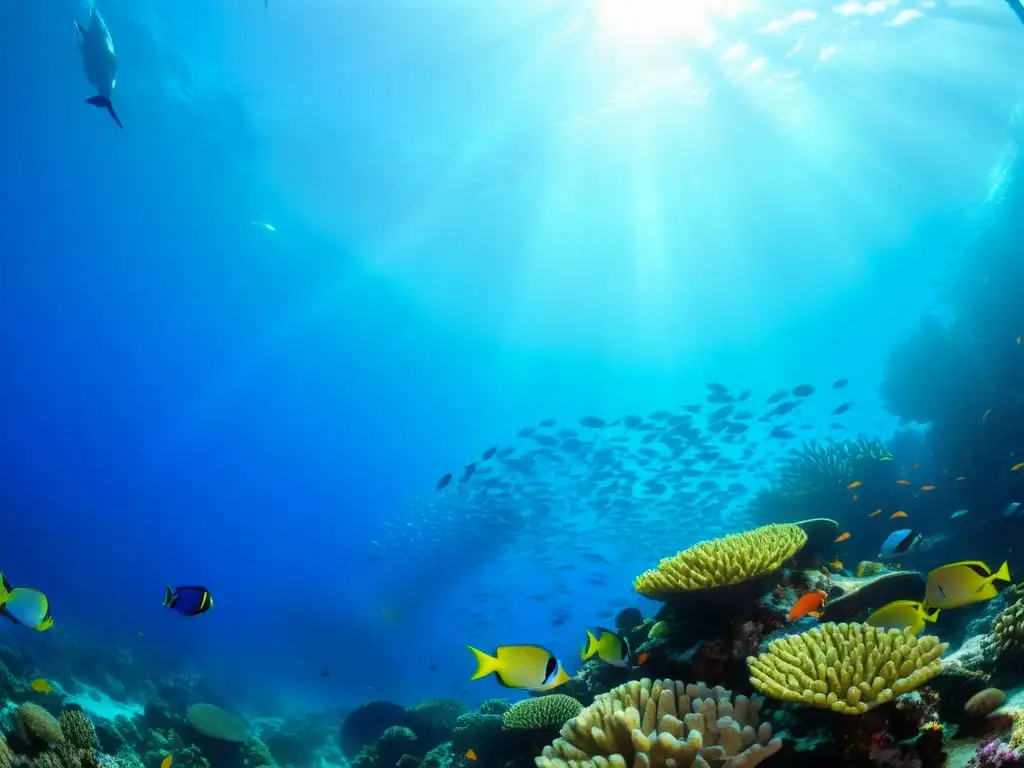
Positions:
{"x": 482, "y": 216}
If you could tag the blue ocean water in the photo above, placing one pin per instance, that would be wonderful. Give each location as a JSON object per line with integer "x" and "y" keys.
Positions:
{"x": 484, "y": 215}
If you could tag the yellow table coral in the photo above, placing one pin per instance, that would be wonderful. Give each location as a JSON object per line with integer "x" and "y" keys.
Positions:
{"x": 664, "y": 724}
{"x": 848, "y": 668}
{"x": 723, "y": 562}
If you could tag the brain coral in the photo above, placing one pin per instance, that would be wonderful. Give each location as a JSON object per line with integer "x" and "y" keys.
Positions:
{"x": 847, "y": 668}
{"x": 663, "y": 724}
{"x": 215, "y": 722}
{"x": 723, "y": 562}
{"x": 36, "y": 724}
{"x": 541, "y": 712}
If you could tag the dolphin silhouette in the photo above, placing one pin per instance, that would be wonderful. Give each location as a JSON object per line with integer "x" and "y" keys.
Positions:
{"x": 98, "y": 61}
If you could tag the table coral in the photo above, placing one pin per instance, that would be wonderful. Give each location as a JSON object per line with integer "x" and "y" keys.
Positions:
{"x": 664, "y": 724}
{"x": 726, "y": 561}
{"x": 848, "y": 668}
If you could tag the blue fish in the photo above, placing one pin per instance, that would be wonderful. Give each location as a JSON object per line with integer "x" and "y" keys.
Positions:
{"x": 188, "y": 601}
{"x": 25, "y": 606}
{"x": 901, "y": 542}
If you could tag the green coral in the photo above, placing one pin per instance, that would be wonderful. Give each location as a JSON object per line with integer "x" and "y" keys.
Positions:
{"x": 77, "y": 729}
{"x": 37, "y": 725}
{"x": 542, "y": 712}
{"x": 257, "y": 753}
{"x": 439, "y": 757}
{"x": 6, "y": 755}
{"x": 495, "y": 707}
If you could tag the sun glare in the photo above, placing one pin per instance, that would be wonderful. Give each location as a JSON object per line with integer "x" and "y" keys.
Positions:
{"x": 655, "y": 20}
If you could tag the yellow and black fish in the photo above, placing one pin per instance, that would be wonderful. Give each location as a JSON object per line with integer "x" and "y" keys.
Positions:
{"x": 959, "y": 584}
{"x": 902, "y": 615}
{"x": 528, "y": 667}
{"x": 188, "y": 601}
{"x": 607, "y": 646}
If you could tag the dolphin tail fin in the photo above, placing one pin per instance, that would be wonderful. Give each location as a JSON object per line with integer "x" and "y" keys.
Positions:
{"x": 103, "y": 101}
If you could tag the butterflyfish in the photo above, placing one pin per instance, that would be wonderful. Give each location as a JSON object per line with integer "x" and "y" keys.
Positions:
{"x": 607, "y": 646}
{"x": 528, "y": 667}
{"x": 902, "y": 615}
{"x": 899, "y": 543}
{"x": 808, "y": 605}
{"x": 39, "y": 685}
{"x": 25, "y": 606}
{"x": 959, "y": 584}
{"x": 898, "y": 514}
{"x": 188, "y": 601}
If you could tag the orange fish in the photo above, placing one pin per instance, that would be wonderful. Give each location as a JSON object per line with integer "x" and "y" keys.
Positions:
{"x": 808, "y": 605}
{"x": 927, "y": 487}
{"x": 876, "y": 513}
{"x": 843, "y": 537}
{"x": 470, "y": 755}
{"x": 1015, "y": 467}
{"x": 897, "y": 514}
{"x": 854, "y": 484}
{"x": 962, "y": 477}
{"x": 903, "y": 482}
{"x": 166, "y": 762}
{"x": 915, "y": 466}
{"x": 642, "y": 658}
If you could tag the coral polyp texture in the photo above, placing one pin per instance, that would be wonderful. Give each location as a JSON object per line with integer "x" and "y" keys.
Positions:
{"x": 542, "y": 712}
{"x": 1008, "y": 630}
{"x": 848, "y": 668}
{"x": 664, "y": 724}
{"x": 723, "y": 562}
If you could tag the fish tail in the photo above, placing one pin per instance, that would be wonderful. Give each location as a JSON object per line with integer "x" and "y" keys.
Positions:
{"x": 1003, "y": 574}
{"x": 929, "y": 617}
{"x": 4, "y": 593}
{"x": 103, "y": 101}
{"x": 168, "y": 595}
{"x": 591, "y": 647}
{"x": 485, "y": 664}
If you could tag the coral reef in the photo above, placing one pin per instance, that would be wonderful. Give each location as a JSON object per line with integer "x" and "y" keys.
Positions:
{"x": 726, "y": 561}
{"x": 542, "y": 712}
{"x": 847, "y": 668}
{"x": 663, "y": 723}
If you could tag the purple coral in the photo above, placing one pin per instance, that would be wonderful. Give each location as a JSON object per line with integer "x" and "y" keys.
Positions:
{"x": 996, "y": 754}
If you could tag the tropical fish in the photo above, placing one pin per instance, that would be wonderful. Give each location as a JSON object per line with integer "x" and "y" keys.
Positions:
{"x": 842, "y": 537}
{"x": 854, "y": 484}
{"x": 188, "y": 601}
{"x": 99, "y": 62}
{"x": 901, "y": 542}
{"x": 876, "y": 513}
{"x": 607, "y": 646}
{"x": 166, "y": 762}
{"x": 489, "y": 452}
{"x": 528, "y": 667}
{"x": 469, "y": 755}
{"x": 443, "y": 482}
{"x": 39, "y": 685}
{"x": 842, "y": 409}
{"x": 961, "y": 477}
{"x": 25, "y": 606}
{"x": 927, "y": 487}
{"x": 840, "y": 383}
{"x": 903, "y": 482}
{"x": 959, "y": 584}
{"x": 642, "y": 658}
{"x": 1010, "y": 509}
{"x": 836, "y": 564}
{"x": 808, "y": 605}
{"x": 803, "y": 390}
{"x": 1015, "y": 467}
{"x": 899, "y": 513}
{"x": 902, "y": 615}
{"x": 958, "y": 513}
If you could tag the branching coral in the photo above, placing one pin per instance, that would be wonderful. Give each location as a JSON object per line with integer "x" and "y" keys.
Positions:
{"x": 723, "y": 562}
{"x": 542, "y": 712}
{"x": 816, "y": 466}
{"x": 848, "y": 668}
{"x": 663, "y": 724}
{"x": 77, "y": 729}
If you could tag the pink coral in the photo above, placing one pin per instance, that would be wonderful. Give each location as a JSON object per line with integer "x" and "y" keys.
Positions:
{"x": 996, "y": 754}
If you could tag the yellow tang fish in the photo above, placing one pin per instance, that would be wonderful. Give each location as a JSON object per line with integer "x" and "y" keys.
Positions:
{"x": 528, "y": 667}
{"x": 39, "y": 685}
{"x": 901, "y": 615}
{"x": 166, "y": 762}
{"x": 959, "y": 584}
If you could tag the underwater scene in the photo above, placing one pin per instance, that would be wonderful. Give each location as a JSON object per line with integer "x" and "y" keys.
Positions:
{"x": 479, "y": 384}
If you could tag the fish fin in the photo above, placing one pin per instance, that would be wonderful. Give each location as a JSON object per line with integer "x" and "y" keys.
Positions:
{"x": 103, "y": 101}
{"x": 929, "y": 617}
{"x": 591, "y": 647}
{"x": 815, "y": 614}
{"x": 80, "y": 31}
{"x": 1003, "y": 574}
{"x": 168, "y": 596}
{"x": 5, "y": 588}
{"x": 485, "y": 664}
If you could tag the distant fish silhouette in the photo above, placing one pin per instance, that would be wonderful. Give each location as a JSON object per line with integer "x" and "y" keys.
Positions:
{"x": 99, "y": 62}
